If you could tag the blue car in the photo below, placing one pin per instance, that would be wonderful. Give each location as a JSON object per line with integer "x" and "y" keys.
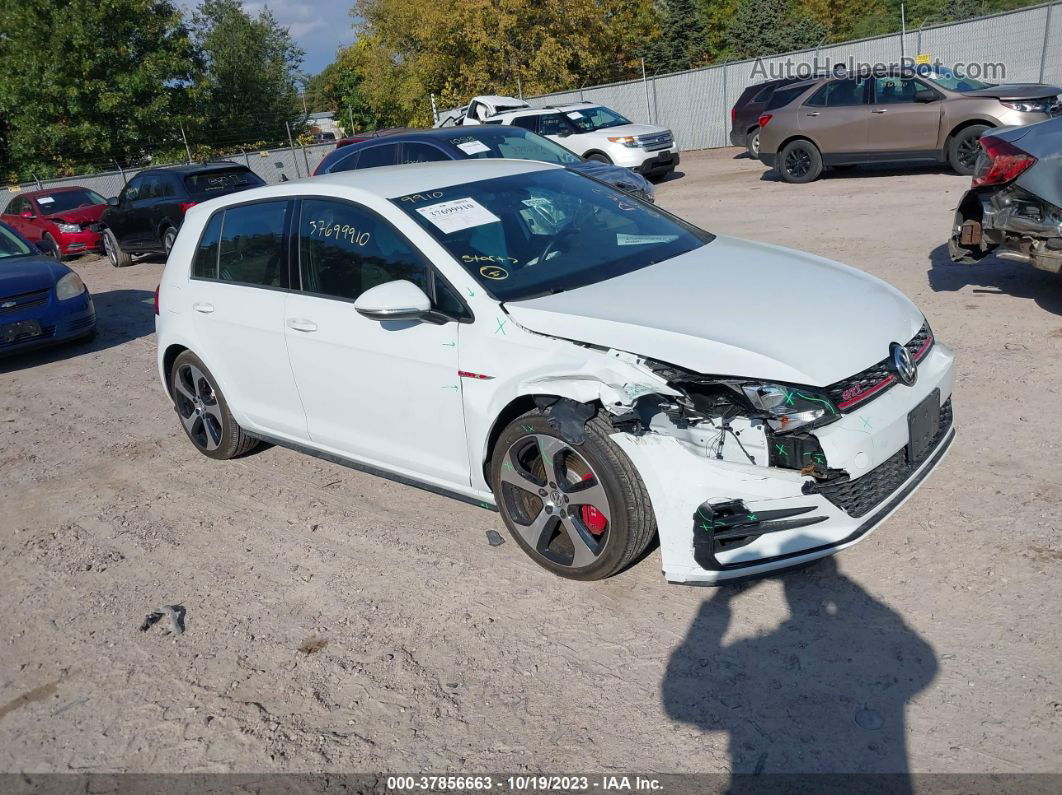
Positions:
{"x": 42, "y": 302}
{"x": 398, "y": 147}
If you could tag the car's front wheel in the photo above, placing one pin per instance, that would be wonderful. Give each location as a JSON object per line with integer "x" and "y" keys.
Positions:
{"x": 800, "y": 162}
{"x": 964, "y": 148}
{"x": 578, "y": 510}
{"x": 118, "y": 258}
{"x": 203, "y": 412}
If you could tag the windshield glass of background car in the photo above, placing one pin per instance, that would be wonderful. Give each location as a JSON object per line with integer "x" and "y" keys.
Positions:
{"x": 595, "y": 118}
{"x": 513, "y": 142}
{"x": 11, "y": 245}
{"x": 945, "y": 78}
{"x": 64, "y": 201}
{"x": 216, "y": 183}
{"x": 543, "y": 232}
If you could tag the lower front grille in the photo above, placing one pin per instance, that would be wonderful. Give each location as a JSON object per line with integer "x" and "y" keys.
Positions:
{"x": 860, "y": 496}
{"x": 47, "y": 332}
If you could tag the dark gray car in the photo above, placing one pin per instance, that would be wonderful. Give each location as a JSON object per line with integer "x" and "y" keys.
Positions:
{"x": 1014, "y": 206}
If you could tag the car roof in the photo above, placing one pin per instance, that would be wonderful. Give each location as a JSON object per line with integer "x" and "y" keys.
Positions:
{"x": 194, "y": 168}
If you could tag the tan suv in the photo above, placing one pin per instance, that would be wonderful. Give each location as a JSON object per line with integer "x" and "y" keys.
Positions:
{"x": 893, "y": 116}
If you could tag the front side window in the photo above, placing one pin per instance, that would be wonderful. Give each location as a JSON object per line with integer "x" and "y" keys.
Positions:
{"x": 251, "y": 244}
{"x": 131, "y": 192}
{"x": 893, "y": 90}
{"x": 345, "y": 250}
{"x": 595, "y": 117}
{"x": 421, "y": 153}
{"x": 547, "y": 231}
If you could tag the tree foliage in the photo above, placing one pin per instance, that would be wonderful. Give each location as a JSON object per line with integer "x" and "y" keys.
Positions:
{"x": 93, "y": 81}
{"x": 683, "y": 42}
{"x": 248, "y": 89}
{"x": 763, "y": 27}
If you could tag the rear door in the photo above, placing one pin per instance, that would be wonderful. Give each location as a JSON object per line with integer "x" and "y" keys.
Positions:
{"x": 386, "y": 393}
{"x": 898, "y": 123}
{"x": 835, "y": 117}
{"x": 236, "y": 298}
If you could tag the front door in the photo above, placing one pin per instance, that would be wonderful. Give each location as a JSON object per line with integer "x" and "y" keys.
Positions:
{"x": 236, "y": 296}
{"x": 385, "y": 393}
{"x": 897, "y": 122}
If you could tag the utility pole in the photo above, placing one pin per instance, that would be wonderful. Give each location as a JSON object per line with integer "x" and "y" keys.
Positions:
{"x": 291, "y": 144}
{"x": 350, "y": 115}
{"x": 903, "y": 31}
{"x": 187, "y": 151}
{"x": 648, "y": 107}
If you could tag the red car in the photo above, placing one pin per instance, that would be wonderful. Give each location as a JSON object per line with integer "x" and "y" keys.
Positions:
{"x": 62, "y": 215}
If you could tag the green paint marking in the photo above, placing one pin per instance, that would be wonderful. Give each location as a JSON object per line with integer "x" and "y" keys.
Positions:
{"x": 451, "y": 386}
{"x": 449, "y": 344}
{"x": 781, "y": 450}
{"x": 751, "y": 517}
{"x": 501, "y": 326}
{"x": 471, "y": 293}
{"x": 508, "y": 465}
{"x": 818, "y": 459}
{"x": 529, "y": 429}
{"x": 866, "y": 423}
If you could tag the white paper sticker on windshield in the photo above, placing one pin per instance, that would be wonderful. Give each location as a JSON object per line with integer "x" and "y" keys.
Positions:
{"x": 45, "y": 200}
{"x": 458, "y": 214}
{"x": 641, "y": 240}
{"x": 473, "y": 147}
{"x": 574, "y": 114}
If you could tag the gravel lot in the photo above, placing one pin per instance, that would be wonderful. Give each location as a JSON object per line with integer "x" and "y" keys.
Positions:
{"x": 341, "y": 622}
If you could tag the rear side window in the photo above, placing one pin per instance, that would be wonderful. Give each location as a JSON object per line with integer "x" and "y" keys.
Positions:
{"x": 839, "y": 94}
{"x": 348, "y": 163}
{"x": 218, "y": 183}
{"x": 378, "y": 156}
{"x": 764, "y": 93}
{"x": 783, "y": 96}
{"x": 527, "y": 122}
{"x": 246, "y": 244}
{"x": 205, "y": 263}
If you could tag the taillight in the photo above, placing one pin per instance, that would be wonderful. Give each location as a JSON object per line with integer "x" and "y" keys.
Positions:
{"x": 157, "y": 299}
{"x": 733, "y": 114}
{"x": 186, "y": 206}
{"x": 1003, "y": 162}
{"x": 764, "y": 118}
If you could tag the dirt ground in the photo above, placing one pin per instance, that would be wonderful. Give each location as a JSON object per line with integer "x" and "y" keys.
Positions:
{"x": 340, "y": 622}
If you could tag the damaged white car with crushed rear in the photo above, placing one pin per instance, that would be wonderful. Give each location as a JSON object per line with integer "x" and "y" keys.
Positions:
{"x": 528, "y": 339}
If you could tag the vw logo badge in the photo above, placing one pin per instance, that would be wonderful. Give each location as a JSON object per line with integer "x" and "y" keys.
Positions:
{"x": 905, "y": 368}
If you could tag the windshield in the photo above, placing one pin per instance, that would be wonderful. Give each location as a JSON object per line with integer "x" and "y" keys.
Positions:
{"x": 544, "y": 232}
{"x": 11, "y": 245}
{"x": 946, "y": 78}
{"x": 595, "y": 118}
{"x": 64, "y": 201}
{"x": 218, "y": 183}
{"x": 515, "y": 143}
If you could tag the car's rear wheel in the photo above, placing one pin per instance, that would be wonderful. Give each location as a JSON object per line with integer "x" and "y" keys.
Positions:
{"x": 964, "y": 148}
{"x": 118, "y": 258}
{"x": 203, "y": 412}
{"x": 168, "y": 238}
{"x": 752, "y": 144}
{"x": 800, "y": 162}
{"x": 597, "y": 157}
{"x": 579, "y": 510}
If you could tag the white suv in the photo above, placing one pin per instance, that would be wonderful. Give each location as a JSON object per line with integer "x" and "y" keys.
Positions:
{"x": 599, "y": 133}
{"x": 521, "y": 337}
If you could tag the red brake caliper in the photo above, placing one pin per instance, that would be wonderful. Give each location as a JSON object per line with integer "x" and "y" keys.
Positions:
{"x": 593, "y": 518}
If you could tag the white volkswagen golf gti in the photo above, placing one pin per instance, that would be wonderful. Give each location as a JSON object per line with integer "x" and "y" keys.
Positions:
{"x": 518, "y": 336}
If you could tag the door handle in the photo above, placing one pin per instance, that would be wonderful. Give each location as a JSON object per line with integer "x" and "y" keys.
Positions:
{"x": 813, "y": 113}
{"x": 880, "y": 110}
{"x": 203, "y": 307}
{"x": 301, "y": 324}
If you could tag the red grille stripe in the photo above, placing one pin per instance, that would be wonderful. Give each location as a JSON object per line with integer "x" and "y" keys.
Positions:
{"x": 864, "y": 395}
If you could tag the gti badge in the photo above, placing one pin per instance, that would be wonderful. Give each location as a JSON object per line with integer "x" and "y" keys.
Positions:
{"x": 902, "y": 363}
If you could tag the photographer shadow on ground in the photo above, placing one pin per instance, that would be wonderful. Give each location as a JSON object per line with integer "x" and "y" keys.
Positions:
{"x": 825, "y": 692}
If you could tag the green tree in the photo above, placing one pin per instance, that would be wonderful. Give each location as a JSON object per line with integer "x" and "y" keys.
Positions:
{"x": 85, "y": 82}
{"x": 249, "y": 88}
{"x": 766, "y": 27}
{"x": 683, "y": 41}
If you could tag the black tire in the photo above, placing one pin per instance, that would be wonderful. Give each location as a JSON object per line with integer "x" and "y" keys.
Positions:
{"x": 964, "y": 147}
{"x": 56, "y": 251}
{"x": 631, "y": 523}
{"x": 203, "y": 412}
{"x": 169, "y": 235}
{"x": 799, "y": 162}
{"x": 598, "y": 157}
{"x": 752, "y": 144}
{"x": 118, "y": 258}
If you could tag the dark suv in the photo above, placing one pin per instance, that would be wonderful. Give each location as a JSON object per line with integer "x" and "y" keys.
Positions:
{"x": 745, "y": 115}
{"x": 148, "y": 212}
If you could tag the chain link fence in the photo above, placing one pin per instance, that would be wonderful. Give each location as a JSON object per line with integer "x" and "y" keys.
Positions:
{"x": 696, "y": 104}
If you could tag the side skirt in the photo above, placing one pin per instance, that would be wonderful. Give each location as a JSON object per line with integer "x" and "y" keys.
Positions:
{"x": 371, "y": 470}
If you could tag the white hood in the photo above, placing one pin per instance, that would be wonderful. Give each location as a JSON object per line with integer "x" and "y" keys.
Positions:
{"x": 633, "y": 129}
{"x": 733, "y": 307}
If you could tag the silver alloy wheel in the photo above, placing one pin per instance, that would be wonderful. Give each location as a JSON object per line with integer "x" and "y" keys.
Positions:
{"x": 198, "y": 408}
{"x": 168, "y": 239}
{"x": 754, "y": 144}
{"x": 108, "y": 248}
{"x": 555, "y": 500}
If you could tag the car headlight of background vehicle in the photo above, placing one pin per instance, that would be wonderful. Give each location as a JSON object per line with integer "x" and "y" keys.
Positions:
{"x": 68, "y": 227}
{"x": 627, "y": 140}
{"x": 1027, "y": 105}
{"x": 791, "y": 407}
{"x": 70, "y": 286}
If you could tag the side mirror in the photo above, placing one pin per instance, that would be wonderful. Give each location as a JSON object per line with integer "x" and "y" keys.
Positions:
{"x": 112, "y": 201}
{"x": 926, "y": 95}
{"x": 397, "y": 300}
